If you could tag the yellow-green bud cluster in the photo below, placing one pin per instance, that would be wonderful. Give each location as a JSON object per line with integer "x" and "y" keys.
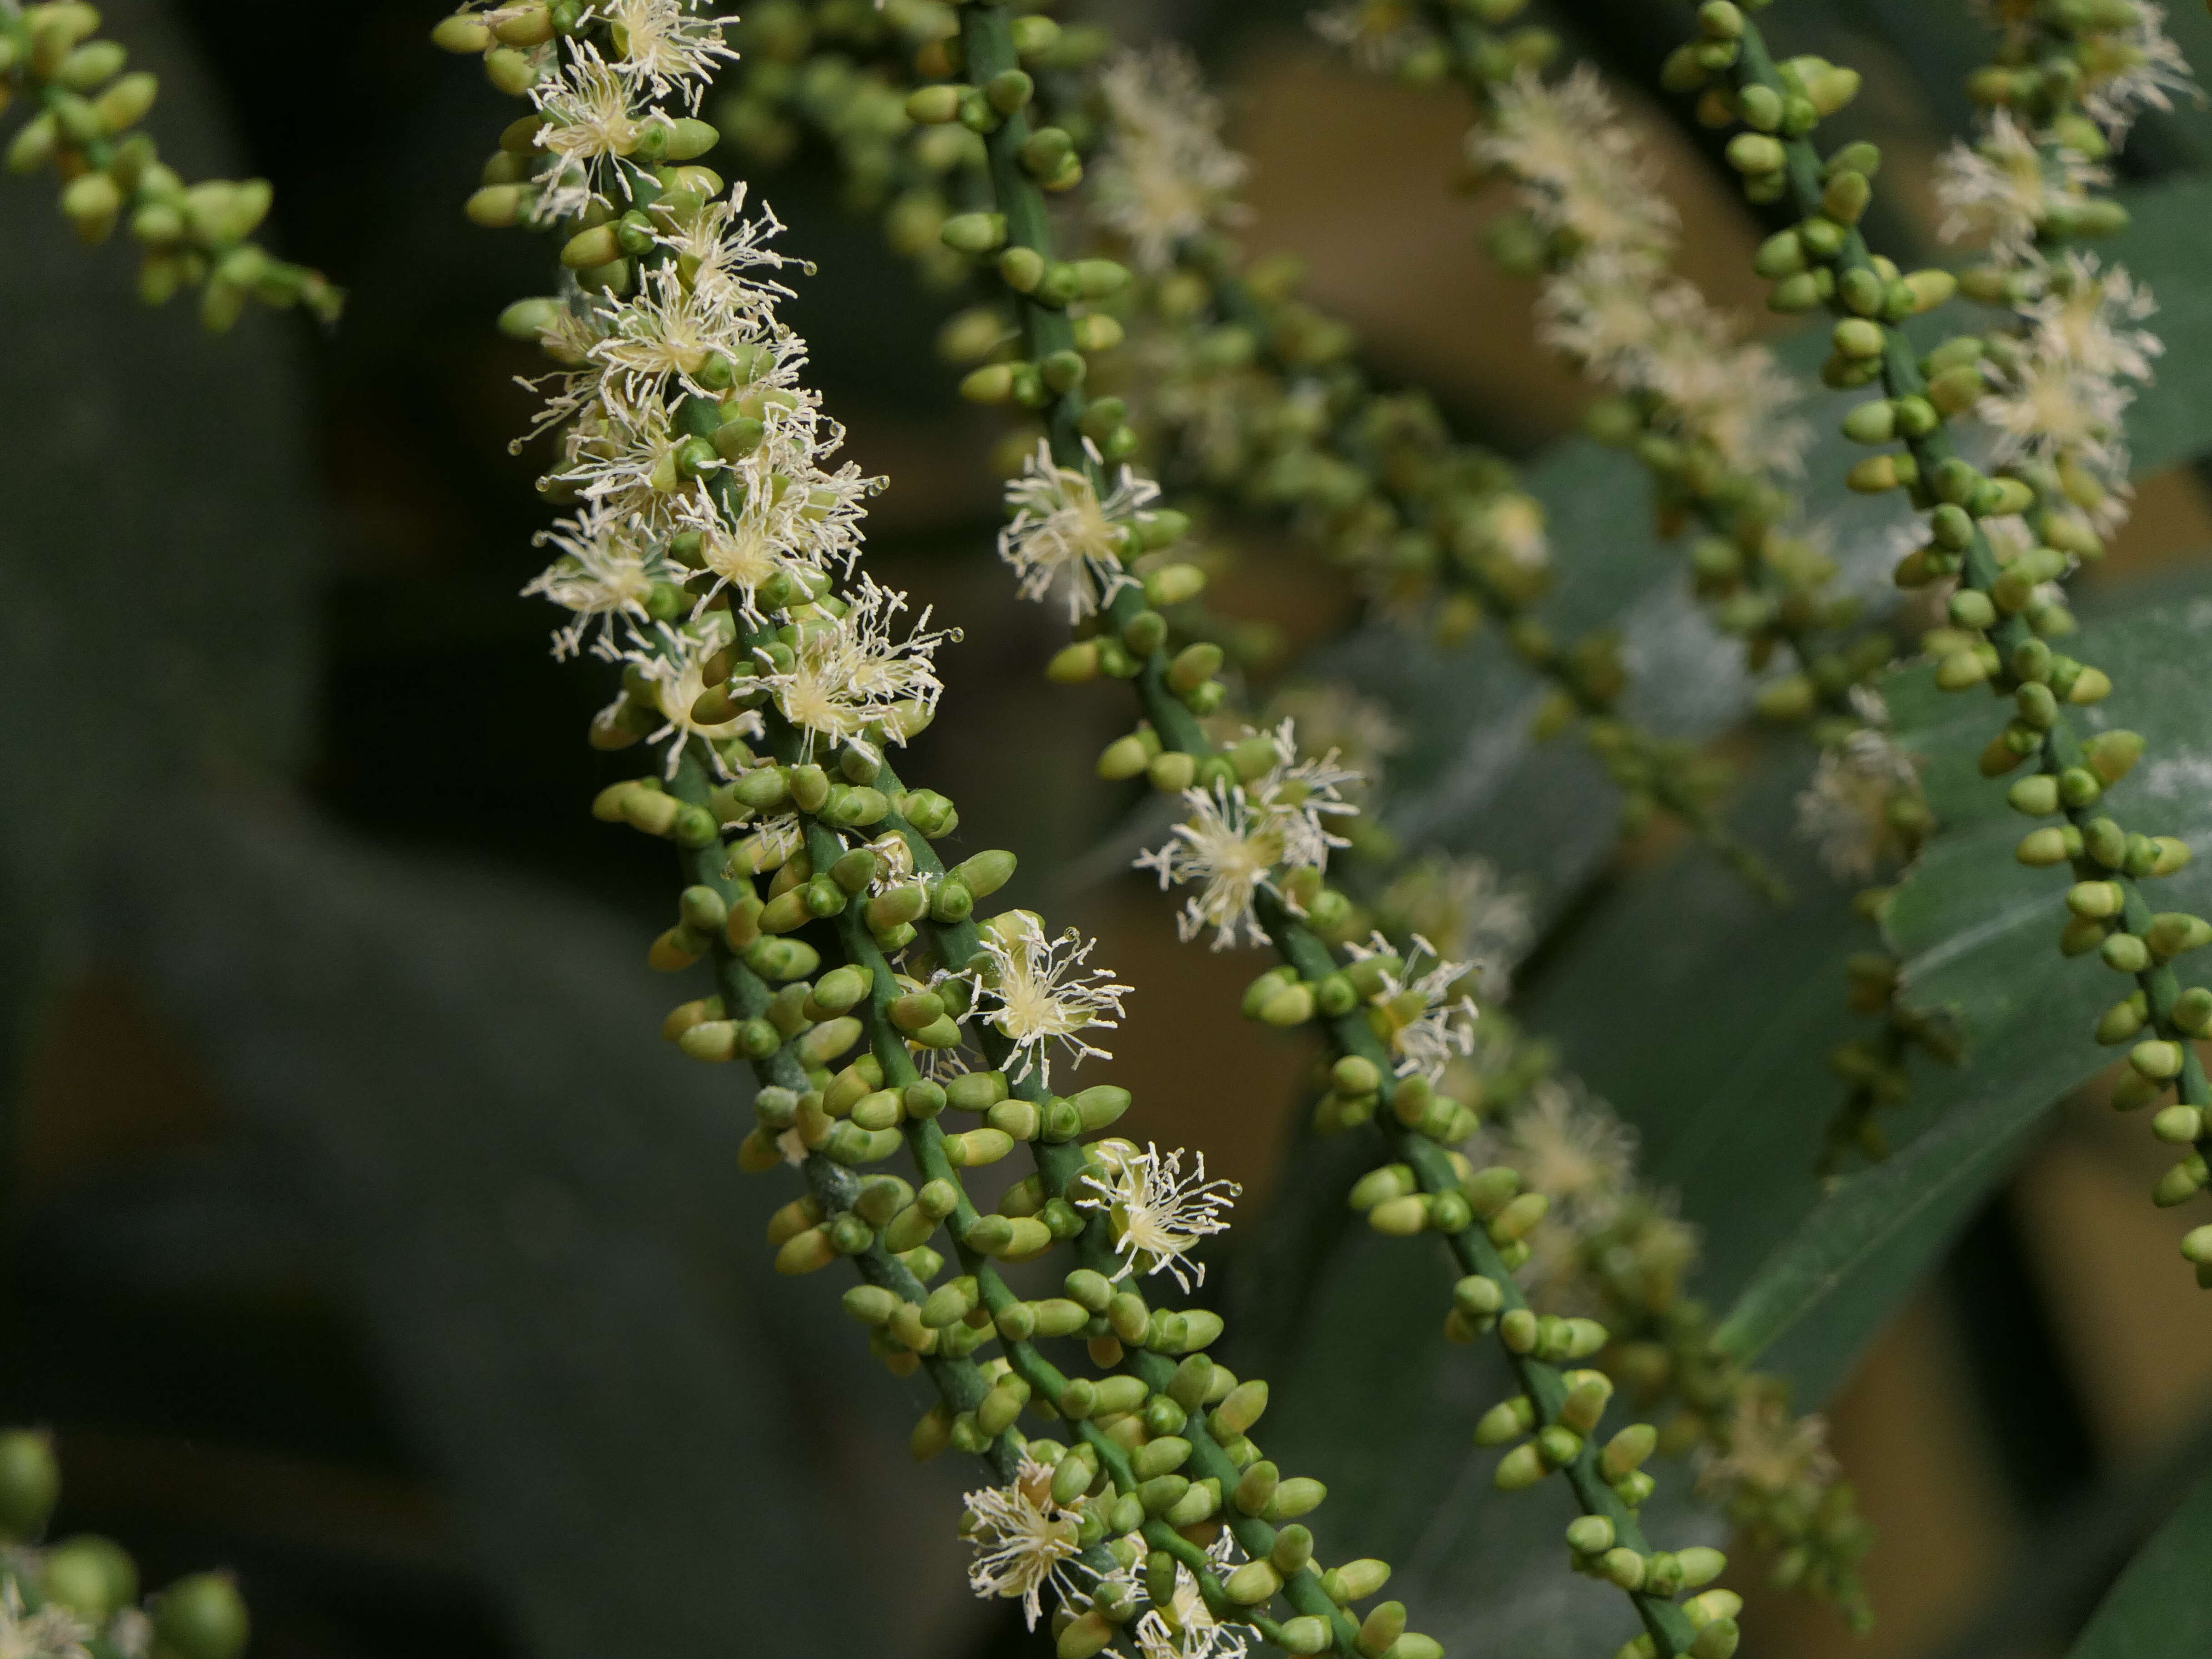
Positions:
{"x": 82, "y": 1592}
{"x": 1995, "y": 638}
{"x": 86, "y": 107}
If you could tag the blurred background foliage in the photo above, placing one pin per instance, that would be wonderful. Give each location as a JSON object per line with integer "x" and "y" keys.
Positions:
{"x": 359, "y": 1235}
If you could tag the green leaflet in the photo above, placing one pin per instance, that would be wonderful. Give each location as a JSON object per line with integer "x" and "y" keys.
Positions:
{"x": 539, "y": 1205}
{"x": 2170, "y": 421}
{"x": 2159, "y": 1609}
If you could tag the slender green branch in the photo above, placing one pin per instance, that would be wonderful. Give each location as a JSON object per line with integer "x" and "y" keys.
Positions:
{"x": 1994, "y": 645}
{"x": 990, "y": 64}
{"x": 196, "y": 236}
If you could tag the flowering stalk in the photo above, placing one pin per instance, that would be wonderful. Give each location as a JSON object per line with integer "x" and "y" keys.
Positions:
{"x": 1991, "y": 639}
{"x": 2055, "y": 384}
{"x": 1256, "y": 841}
{"x": 79, "y": 1597}
{"x": 1373, "y": 476}
{"x": 1706, "y": 411}
{"x": 1375, "y": 480}
{"x": 705, "y": 552}
{"x": 86, "y": 107}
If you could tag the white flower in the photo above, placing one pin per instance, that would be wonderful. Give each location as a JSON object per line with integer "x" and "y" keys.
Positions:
{"x": 1415, "y": 1013}
{"x": 1037, "y": 992}
{"x": 783, "y": 516}
{"x": 1767, "y": 1449}
{"x": 668, "y": 46}
{"x": 848, "y": 677}
{"x": 1023, "y": 1539}
{"x": 625, "y": 463}
{"x": 1237, "y": 837}
{"x": 1844, "y": 812}
{"x": 1732, "y": 396}
{"x": 2044, "y": 406}
{"x": 606, "y": 569}
{"x": 52, "y": 1632}
{"x": 1598, "y": 309}
{"x": 1183, "y": 1627}
{"x": 667, "y": 332}
{"x": 1164, "y": 175}
{"x": 2060, "y": 390}
{"x": 1064, "y": 539}
{"x": 722, "y": 241}
{"x": 673, "y": 661}
{"x": 1474, "y": 915}
{"x": 1329, "y": 716}
{"x": 2000, "y": 190}
{"x": 1583, "y": 172}
{"x": 592, "y": 120}
{"x": 2131, "y": 70}
{"x": 1158, "y": 1215}
{"x": 1380, "y": 34}
{"x": 1569, "y": 1147}
{"x": 2084, "y": 313}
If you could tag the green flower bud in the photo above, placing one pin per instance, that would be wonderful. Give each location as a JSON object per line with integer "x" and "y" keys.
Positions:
{"x": 202, "y": 1617}
{"x": 1754, "y": 153}
{"x": 1505, "y": 1422}
{"x": 974, "y": 233}
{"x": 1589, "y": 1535}
{"x": 30, "y": 1483}
{"x": 1520, "y": 1468}
{"x": 1297, "y": 1496}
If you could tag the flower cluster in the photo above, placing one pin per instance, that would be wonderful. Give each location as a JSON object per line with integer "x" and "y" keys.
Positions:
{"x": 1241, "y": 839}
{"x": 712, "y": 551}
{"x": 2059, "y": 101}
{"x": 1037, "y": 992}
{"x": 1164, "y": 176}
{"x": 1156, "y": 1213}
{"x": 1610, "y": 299}
{"x": 86, "y": 111}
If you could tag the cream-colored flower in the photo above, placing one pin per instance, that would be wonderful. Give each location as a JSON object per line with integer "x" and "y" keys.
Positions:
{"x": 848, "y": 676}
{"x": 2130, "y": 70}
{"x": 1468, "y": 910}
{"x": 604, "y": 573}
{"x": 1158, "y": 1214}
{"x": 1023, "y": 1541}
{"x": 668, "y": 44}
{"x": 52, "y": 1632}
{"x": 1420, "y": 1013}
{"x": 1183, "y": 1626}
{"x": 1237, "y": 837}
{"x": 1767, "y": 1450}
{"x": 1583, "y": 172}
{"x": 1038, "y": 994}
{"x": 1844, "y": 812}
{"x": 1163, "y": 175}
{"x": 1999, "y": 191}
{"x": 1066, "y": 541}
